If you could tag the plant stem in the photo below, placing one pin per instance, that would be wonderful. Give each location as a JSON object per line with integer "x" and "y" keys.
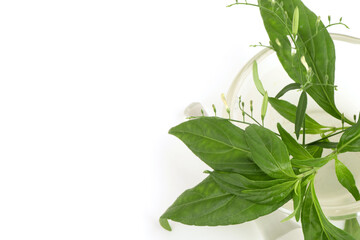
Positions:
{"x": 326, "y": 137}
{"x": 250, "y": 116}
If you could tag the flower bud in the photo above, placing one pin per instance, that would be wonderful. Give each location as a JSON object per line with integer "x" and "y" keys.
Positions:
{"x": 304, "y": 63}
{"x": 214, "y": 108}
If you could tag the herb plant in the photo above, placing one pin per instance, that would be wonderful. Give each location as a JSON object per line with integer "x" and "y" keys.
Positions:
{"x": 255, "y": 171}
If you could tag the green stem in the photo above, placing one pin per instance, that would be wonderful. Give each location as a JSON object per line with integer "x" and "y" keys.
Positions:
{"x": 326, "y": 137}
{"x": 250, "y": 116}
{"x": 305, "y": 174}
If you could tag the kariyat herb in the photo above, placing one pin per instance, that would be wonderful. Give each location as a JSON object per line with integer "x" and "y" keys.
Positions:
{"x": 255, "y": 171}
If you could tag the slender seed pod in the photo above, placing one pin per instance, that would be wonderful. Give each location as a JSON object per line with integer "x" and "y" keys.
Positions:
{"x": 225, "y": 103}
{"x": 214, "y": 108}
{"x": 295, "y": 23}
{"x": 264, "y": 107}
{"x": 251, "y": 108}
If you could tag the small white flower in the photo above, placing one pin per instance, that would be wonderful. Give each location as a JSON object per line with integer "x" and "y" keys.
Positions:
{"x": 278, "y": 42}
{"x": 304, "y": 63}
{"x": 318, "y": 20}
{"x": 293, "y": 49}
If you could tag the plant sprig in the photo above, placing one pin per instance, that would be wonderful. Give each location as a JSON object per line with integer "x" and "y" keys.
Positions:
{"x": 256, "y": 170}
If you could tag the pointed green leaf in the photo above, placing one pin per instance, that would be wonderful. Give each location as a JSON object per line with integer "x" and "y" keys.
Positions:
{"x": 262, "y": 192}
{"x": 268, "y": 152}
{"x": 288, "y": 111}
{"x": 208, "y": 205}
{"x": 218, "y": 143}
{"x": 326, "y": 144}
{"x": 314, "y": 223}
{"x": 269, "y": 195}
{"x": 294, "y": 148}
{"x": 310, "y": 221}
{"x": 316, "y": 46}
{"x": 291, "y": 86}
{"x": 316, "y": 151}
{"x": 298, "y": 196}
{"x": 300, "y": 113}
{"x": 297, "y": 203}
{"x": 350, "y": 140}
{"x": 256, "y": 78}
{"x": 313, "y": 162}
{"x": 346, "y": 179}
{"x": 330, "y": 229}
{"x": 234, "y": 182}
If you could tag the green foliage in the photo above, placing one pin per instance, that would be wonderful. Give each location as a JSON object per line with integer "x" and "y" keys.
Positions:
{"x": 314, "y": 223}
{"x": 287, "y": 88}
{"x": 255, "y": 170}
{"x": 313, "y": 162}
{"x": 288, "y": 111}
{"x": 318, "y": 50}
{"x": 209, "y": 205}
{"x": 262, "y": 192}
{"x": 350, "y": 140}
{"x": 298, "y": 196}
{"x": 294, "y": 148}
{"x": 219, "y": 143}
{"x": 268, "y": 152}
{"x": 346, "y": 179}
{"x": 314, "y": 150}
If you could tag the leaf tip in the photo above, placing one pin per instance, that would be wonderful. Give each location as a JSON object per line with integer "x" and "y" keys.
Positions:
{"x": 171, "y": 131}
{"x": 165, "y": 224}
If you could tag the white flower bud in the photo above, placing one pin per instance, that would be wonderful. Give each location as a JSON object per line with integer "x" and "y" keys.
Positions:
{"x": 304, "y": 63}
{"x": 225, "y": 102}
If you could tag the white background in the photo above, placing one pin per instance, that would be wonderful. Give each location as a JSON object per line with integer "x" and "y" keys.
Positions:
{"x": 88, "y": 91}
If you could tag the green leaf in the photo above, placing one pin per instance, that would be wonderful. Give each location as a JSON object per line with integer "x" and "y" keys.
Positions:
{"x": 291, "y": 86}
{"x": 269, "y": 195}
{"x": 325, "y": 144}
{"x": 314, "y": 162}
{"x": 350, "y": 140}
{"x": 314, "y": 223}
{"x": 288, "y": 111}
{"x": 297, "y": 202}
{"x": 234, "y": 182}
{"x": 316, "y": 151}
{"x": 298, "y": 196}
{"x": 352, "y": 227}
{"x": 333, "y": 231}
{"x": 269, "y": 152}
{"x": 262, "y": 192}
{"x": 346, "y": 179}
{"x": 300, "y": 113}
{"x": 310, "y": 221}
{"x": 256, "y": 78}
{"x": 219, "y": 143}
{"x": 316, "y": 46}
{"x": 294, "y": 148}
{"x": 208, "y": 205}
